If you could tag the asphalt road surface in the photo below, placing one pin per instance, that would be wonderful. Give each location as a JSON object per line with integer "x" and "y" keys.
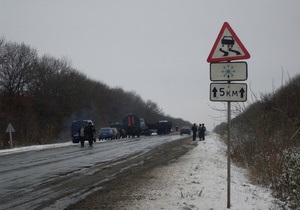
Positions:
{"x": 83, "y": 178}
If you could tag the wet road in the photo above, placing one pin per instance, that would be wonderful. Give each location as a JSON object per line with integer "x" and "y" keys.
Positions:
{"x": 56, "y": 178}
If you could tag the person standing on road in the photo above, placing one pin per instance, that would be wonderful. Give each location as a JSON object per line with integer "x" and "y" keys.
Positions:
{"x": 89, "y": 133}
{"x": 194, "y": 129}
{"x": 81, "y": 135}
{"x": 199, "y": 131}
{"x": 94, "y": 132}
{"x": 202, "y": 130}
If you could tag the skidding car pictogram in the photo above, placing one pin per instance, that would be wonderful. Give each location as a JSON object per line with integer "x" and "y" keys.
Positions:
{"x": 227, "y": 40}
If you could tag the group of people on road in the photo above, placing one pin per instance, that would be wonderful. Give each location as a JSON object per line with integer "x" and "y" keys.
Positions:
{"x": 87, "y": 132}
{"x": 201, "y": 131}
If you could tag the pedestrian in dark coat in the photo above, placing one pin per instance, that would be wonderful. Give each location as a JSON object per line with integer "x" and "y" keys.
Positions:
{"x": 89, "y": 131}
{"x": 202, "y": 130}
{"x": 199, "y": 131}
{"x": 194, "y": 129}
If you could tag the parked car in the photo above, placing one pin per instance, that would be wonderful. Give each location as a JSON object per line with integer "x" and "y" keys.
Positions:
{"x": 116, "y": 133}
{"x": 185, "y": 130}
{"x": 106, "y": 133}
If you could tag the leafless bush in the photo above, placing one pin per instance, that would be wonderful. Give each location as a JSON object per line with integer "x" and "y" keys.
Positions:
{"x": 262, "y": 138}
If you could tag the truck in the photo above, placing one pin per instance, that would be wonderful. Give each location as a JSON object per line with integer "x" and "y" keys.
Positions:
{"x": 135, "y": 126}
{"x": 164, "y": 127}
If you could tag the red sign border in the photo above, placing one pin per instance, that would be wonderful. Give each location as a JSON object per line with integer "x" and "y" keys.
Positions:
{"x": 246, "y": 56}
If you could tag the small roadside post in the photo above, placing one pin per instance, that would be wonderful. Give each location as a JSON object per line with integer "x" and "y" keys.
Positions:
{"x": 226, "y": 48}
{"x": 9, "y": 130}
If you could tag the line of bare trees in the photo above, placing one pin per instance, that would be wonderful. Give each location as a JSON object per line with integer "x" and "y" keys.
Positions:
{"x": 266, "y": 140}
{"x": 41, "y": 96}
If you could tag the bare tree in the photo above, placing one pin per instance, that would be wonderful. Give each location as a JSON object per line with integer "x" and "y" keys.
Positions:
{"x": 17, "y": 62}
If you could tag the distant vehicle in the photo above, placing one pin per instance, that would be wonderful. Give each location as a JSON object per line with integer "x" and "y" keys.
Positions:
{"x": 116, "y": 133}
{"x": 145, "y": 130}
{"x": 76, "y": 124}
{"x": 227, "y": 40}
{"x": 132, "y": 125}
{"x": 120, "y": 128}
{"x": 106, "y": 133}
{"x": 185, "y": 130}
{"x": 161, "y": 127}
{"x": 164, "y": 127}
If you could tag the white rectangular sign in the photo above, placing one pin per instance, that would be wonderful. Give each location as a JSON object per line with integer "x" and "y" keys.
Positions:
{"x": 236, "y": 92}
{"x": 228, "y": 71}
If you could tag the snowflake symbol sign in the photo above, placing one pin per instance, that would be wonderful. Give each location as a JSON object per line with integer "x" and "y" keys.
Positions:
{"x": 228, "y": 71}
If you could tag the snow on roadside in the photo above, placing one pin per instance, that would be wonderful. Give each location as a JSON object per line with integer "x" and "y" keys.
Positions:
{"x": 198, "y": 180}
{"x": 31, "y": 148}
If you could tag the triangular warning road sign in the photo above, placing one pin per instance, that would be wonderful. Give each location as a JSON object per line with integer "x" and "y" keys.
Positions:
{"x": 10, "y": 128}
{"x": 227, "y": 47}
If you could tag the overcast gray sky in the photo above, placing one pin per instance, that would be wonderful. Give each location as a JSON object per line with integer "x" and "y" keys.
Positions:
{"x": 158, "y": 48}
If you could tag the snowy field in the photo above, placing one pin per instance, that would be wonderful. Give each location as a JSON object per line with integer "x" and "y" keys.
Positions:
{"x": 198, "y": 180}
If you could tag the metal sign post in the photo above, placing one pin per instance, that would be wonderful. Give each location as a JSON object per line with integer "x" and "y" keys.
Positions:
{"x": 228, "y": 95}
{"x": 228, "y": 47}
{"x": 228, "y": 151}
{"x": 9, "y": 130}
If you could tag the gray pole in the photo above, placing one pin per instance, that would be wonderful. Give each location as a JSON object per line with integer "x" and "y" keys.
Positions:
{"x": 228, "y": 152}
{"x": 10, "y": 138}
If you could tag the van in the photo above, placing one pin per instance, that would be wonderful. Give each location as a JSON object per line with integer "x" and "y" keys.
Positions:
{"x": 76, "y": 124}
